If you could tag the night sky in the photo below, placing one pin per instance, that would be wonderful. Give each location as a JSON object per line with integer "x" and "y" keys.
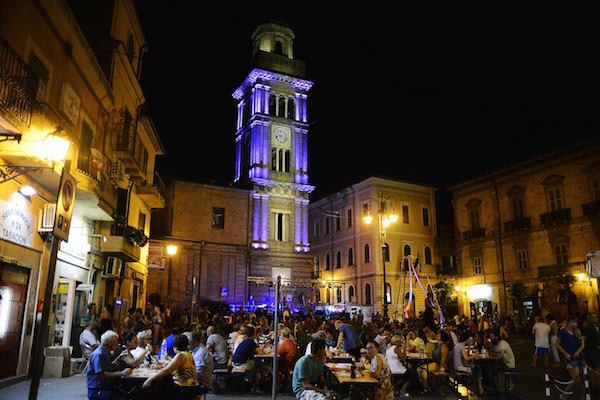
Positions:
{"x": 430, "y": 94}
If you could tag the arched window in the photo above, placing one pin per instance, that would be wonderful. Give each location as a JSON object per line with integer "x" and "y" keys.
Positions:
{"x": 317, "y": 296}
{"x": 281, "y": 105}
{"x": 350, "y": 257}
{"x": 272, "y": 104}
{"x": 350, "y": 293}
{"x": 388, "y": 293}
{"x": 291, "y": 109}
{"x": 367, "y": 294}
{"x": 278, "y": 47}
{"x": 130, "y": 48}
{"x": 338, "y": 260}
{"x": 367, "y": 253}
{"x": 386, "y": 252}
{"x": 407, "y": 250}
{"x": 339, "y": 295}
{"x": 327, "y": 262}
{"x": 427, "y": 255}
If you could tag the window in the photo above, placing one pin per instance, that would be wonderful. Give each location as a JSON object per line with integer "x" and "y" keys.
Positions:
{"x": 477, "y": 267}
{"x": 561, "y": 252}
{"x": 388, "y": 293}
{"x": 280, "y": 159}
{"x": 555, "y": 199}
{"x": 278, "y": 47}
{"x": 142, "y": 221}
{"x": 327, "y": 229}
{"x": 281, "y": 107}
{"x": 349, "y": 217}
{"x": 83, "y": 158}
{"x": 474, "y": 219}
{"x": 425, "y": 216}
{"x": 130, "y": 48}
{"x": 338, "y": 223}
{"x": 316, "y": 229}
{"x": 272, "y": 104}
{"x": 317, "y": 296}
{"x": 291, "y": 109}
{"x": 407, "y": 250}
{"x": 596, "y": 188}
{"x": 317, "y": 263}
{"x": 350, "y": 257}
{"x": 339, "y": 295}
{"x": 350, "y": 293}
{"x": 338, "y": 259}
{"x": 386, "y": 252}
{"x": 427, "y": 255}
{"x": 281, "y": 222}
{"x": 327, "y": 262}
{"x": 522, "y": 259}
{"x": 367, "y": 294}
{"x": 38, "y": 79}
{"x": 405, "y": 214}
{"x": 218, "y": 218}
{"x": 517, "y": 206}
{"x": 367, "y": 253}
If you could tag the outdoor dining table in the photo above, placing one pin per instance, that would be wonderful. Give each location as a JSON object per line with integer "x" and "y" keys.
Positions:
{"x": 131, "y": 385}
{"x": 420, "y": 359}
{"x": 362, "y": 386}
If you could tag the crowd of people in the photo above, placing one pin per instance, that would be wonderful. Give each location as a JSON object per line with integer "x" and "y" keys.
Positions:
{"x": 190, "y": 352}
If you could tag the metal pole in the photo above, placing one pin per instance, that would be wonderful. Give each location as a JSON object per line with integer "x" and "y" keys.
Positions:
{"x": 169, "y": 282}
{"x": 500, "y": 247}
{"x": 41, "y": 334}
{"x": 275, "y": 339}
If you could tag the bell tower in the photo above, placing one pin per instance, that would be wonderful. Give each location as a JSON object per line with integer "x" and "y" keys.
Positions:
{"x": 272, "y": 151}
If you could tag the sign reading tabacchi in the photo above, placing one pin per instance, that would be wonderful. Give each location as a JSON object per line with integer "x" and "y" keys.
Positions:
{"x": 16, "y": 223}
{"x": 65, "y": 204}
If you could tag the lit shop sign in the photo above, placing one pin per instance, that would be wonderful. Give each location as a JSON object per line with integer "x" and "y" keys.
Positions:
{"x": 16, "y": 223}
{"x": 479, "y": 292}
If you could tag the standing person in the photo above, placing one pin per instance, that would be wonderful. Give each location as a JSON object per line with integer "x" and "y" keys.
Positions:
{"x": 101, "y": 375}
{"x": 308, "y": 380}
{"x": 380, "y": 370}
{"x": 553, "y": 340}
{"x": 218, "y": 347}
{"x": 571, "y": 344}
{"x": 349, "y": 337}
{"x": 541, "y": 333}
{"x": 106, "y": 322}
{"x": 158, "y": 324}
{"x": 592, "y": 342}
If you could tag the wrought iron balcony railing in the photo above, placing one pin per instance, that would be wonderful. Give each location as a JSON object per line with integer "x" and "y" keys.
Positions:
{"x": 518, "y": 225}
{"x": 15, "y": 100}
{"x": 478, "y": 233}
{"x": 555, "y": 218}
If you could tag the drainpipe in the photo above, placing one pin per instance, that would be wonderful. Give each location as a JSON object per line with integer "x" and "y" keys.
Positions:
{"x": 499, "y": 240}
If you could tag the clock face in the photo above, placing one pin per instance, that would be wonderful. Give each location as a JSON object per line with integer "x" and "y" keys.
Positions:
{"x": 281, "y": 135}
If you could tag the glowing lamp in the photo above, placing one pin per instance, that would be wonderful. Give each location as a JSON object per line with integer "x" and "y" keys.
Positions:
{"x": 53, "y": 148}
{"x": 457, "y": 288}
{"x": 171, "y": 249}
{"x": 580, "y": 276}
{"x": 368, "y": 219}
{"x": 27, "y": 190}
{"x": 393, "y": 217}
{"x": 479, "y": 291}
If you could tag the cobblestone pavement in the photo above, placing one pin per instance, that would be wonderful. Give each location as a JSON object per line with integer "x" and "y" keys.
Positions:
{"x": 530, "y": 385}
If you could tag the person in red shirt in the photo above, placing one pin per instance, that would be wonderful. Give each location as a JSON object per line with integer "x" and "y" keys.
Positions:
{"x": 288, "y": 353}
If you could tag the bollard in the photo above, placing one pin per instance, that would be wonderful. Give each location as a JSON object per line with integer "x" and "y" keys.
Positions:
{"x": 547, "y": 383}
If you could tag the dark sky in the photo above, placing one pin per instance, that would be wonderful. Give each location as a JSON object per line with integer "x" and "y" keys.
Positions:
{"x": 437, "y": 93}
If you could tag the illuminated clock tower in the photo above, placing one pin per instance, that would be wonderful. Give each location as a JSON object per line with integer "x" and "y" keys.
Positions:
{"x": 272, "y": 157}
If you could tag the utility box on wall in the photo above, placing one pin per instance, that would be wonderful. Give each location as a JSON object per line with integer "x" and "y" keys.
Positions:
{"x": 57, "y": 362}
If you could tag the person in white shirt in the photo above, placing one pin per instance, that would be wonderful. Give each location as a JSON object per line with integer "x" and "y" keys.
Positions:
{"x": 87, "y": 339}
{"x": 541, "y": 333}
{"x": 502, "y": 348}
{"x": 203, "y": 359}
{"x": 317, "y": 335}
{"x": 406, "y": 378}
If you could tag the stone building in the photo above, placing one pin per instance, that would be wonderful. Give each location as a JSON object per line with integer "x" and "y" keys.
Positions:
{"x": 534, "y": 222}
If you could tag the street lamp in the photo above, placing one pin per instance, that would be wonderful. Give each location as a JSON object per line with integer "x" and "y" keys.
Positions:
{"x": 386, "y": 213}
{"x": 171, "y": 251}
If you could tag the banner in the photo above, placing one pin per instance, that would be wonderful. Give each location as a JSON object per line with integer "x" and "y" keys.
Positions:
{"x": 156, "y": 258}
{"x": 65, "y": 205}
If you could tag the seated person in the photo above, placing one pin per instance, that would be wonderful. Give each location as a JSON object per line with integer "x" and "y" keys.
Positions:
{"x": 243, "y": 358}
{"x": 122, "y": 356}
{"x": 218, "y": 347}
{"x": 463, "y": 359}
{"x": 101, "y": 374}
{"x": 203, "y": 359}
{"x": 287, "y": 350}
{"x": 406, "y": 378}
{"x": 144, "y": 344}
{"x": 308, "y": 380}
{"x": 414, "y": 344}
{"x": 185, "y": 383}
{"x": 317, "y": 335}
{"x": 166, "y": 347}
{"x": 87, "y": 339}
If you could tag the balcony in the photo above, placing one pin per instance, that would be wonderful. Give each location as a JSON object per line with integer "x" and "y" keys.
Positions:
{"x": 518, "y": 225}
{"x": 153, "y": 195}
{"x": 280, "y": 62}
{"x": 16, "y": 102}
{"x": 556, "y": 218}
{"x": 478, "y": 233}
{"x": 129, "y": 147}
{"x": 124, "y": 241}
{"x": 551, "y": 271}
{"x": 591, "y": 210}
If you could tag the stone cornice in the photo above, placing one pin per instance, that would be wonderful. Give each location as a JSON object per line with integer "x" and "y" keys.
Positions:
{"x": 270, "y": 76}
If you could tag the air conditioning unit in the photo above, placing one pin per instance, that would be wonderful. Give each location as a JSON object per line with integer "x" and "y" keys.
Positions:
{"x": 117, "y": 171}
{"x": 112, "y": 268}
{"x": 46, "y": 218}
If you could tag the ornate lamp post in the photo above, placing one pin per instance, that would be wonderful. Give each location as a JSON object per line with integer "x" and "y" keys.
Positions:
{"x": 386, "y": 213}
